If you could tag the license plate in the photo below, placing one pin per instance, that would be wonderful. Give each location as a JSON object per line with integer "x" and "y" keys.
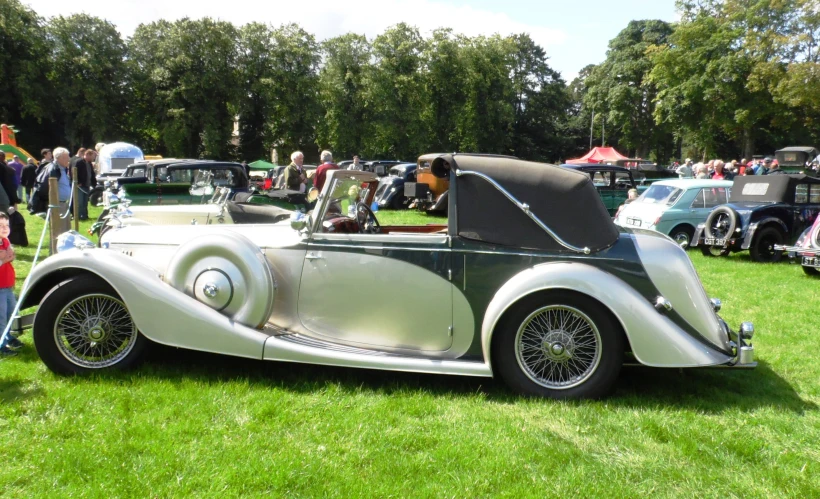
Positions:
{"x": 711, "y": 241}
{"x": 634, "y": 221}
{"x": 811, "y": 261}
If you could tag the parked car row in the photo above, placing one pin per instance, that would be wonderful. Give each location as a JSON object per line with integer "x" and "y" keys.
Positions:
{"x": 531, "y": 282}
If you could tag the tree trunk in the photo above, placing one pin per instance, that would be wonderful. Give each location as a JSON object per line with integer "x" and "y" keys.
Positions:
{"x": 748, "y": 144}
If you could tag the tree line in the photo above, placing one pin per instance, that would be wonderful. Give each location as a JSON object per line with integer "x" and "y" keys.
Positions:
{"x": 731, "y": 78}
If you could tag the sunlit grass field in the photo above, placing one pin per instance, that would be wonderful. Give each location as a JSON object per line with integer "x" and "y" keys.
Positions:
{"x": 200, "y": 425}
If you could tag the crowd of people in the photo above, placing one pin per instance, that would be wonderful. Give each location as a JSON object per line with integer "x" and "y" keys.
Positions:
{"x": 719, "y": 170}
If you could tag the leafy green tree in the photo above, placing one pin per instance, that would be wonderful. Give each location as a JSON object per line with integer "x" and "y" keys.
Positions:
{"x": 395, "y": 95}
{"x": 25, "y": 98}
{"x": 540, "y": 102}
{"x": 619, "y": 89}
{"x": 485, "y": 123}
{"x": 445, "y": 79}
{"x": 185, "y": 84}
{"x": 341, "y": 95}
{"x": 257, "y": 81}
{"x": 89, "y": 77}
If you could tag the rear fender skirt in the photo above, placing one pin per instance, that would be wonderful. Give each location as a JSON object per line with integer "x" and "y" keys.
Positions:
{"x": 655, "y": 339}
{"x": 750, "y": 232}
{"x": 161, "y": 313}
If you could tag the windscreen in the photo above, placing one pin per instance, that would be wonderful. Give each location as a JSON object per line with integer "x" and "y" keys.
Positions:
{"x": 657, "y": 194}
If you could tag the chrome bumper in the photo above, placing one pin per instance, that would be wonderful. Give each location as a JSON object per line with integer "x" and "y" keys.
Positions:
{"x": 794, "y": 251}
{"x": 744, "y": 351}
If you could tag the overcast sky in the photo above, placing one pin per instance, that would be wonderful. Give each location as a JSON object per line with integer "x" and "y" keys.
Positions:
{"x": 573, "y": 33}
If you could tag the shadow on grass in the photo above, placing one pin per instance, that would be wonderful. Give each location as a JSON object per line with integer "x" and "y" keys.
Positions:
{"x": 704, "y": 390}
{"x": 11, "y": 390}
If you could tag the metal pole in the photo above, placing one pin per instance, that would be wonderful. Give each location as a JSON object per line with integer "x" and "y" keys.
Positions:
{"x": 591, "y": 125}
{"x": 75, "y": 186}
{"x": 54, "y": 217}
{"x": 603, "y": 131}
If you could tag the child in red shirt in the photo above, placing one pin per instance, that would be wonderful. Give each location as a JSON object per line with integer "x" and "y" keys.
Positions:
{"x": 7, "y": 278}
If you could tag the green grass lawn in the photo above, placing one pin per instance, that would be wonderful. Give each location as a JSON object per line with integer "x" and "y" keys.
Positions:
{"x": 200, "y": 425}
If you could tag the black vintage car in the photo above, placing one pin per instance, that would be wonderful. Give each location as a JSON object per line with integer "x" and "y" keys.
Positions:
{"x": 390, "y": 193}
{"x": 762, "y": 212}
{"x": 797, "y": 159}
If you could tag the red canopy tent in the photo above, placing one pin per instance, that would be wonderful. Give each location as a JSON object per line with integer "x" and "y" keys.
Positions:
{"x": 598, "y": 155}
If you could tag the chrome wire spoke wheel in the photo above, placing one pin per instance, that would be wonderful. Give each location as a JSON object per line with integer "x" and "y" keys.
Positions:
{"x": 721, "y": 226}
{"x": 558, "y": 347}
{"x": 95, "y": 331}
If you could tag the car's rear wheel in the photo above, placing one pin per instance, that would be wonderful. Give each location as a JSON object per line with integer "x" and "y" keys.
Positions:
{"x": 83, "y": 326}
{"x": 762, "y": 249}
{"x": 812, "y": 271}
{"x": 559, "y": 344}
{"x": 682, "y": 234}
{"x": 714, "y": 250}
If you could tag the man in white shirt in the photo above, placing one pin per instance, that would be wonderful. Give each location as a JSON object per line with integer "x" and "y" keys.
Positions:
{"x": 685, "y": 170}
{"x": 355, "y": 165}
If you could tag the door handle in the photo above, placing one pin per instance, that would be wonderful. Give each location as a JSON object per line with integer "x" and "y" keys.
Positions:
{"x": 314, "y": 256}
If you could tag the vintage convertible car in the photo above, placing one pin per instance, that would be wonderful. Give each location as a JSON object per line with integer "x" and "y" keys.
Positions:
{"x": 512, "y": 286}
{"x": 675, "y": 207}
{"x": 763, "y": 212}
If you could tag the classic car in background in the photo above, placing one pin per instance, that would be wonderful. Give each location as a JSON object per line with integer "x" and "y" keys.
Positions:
{"x": 428, "y": 192}
{"x": 763, "y": 212}
{"x": 675, "y": 207}
{"x": 390, "y": 193}
{"x": 806, "y": 250}
{"x": 797, "y": 159}
{"x": 529, "y": 281}
{"x": 169, "y": 181}
{"x": 612, "y": 182}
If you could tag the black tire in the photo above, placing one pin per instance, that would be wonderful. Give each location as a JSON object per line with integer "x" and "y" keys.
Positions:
{"x": 66, "y": 355}
{"x": 812, "y": 271}
{"x": 682, "y": 233}
{"x": 397, "y": 203}
{"x": 762, "y": 249}
{"x": 95, "y": 198}
{"x": 714, "y": 250}
{"x": 721, "y": 223}
{"x": 599, "y": 369}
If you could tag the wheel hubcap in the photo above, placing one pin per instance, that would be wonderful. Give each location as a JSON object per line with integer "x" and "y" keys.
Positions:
{"x": 95, "y": 331}
{"x": 558, "y": 347}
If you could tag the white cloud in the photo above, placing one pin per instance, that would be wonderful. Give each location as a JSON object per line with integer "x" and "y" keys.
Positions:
{"x": 323, "y": 18}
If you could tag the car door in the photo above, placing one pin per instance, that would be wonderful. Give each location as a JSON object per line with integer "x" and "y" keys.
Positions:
{"x": 381, "y": 291}
{"x": 806, "y": 207}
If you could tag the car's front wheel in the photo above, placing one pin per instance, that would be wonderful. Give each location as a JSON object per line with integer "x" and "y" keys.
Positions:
{"x": 560, "y": 345}
{"x": 812, "y": 271}
{"x": 682, "y": 234}
{"x": 83, "y": 326}
{"x": 714, "y": 250}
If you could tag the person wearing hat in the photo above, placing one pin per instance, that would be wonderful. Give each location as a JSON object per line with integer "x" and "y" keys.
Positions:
{"x": 685, "y": 170}
{"x": 763, "y": 168}
{"x": 774, "y": 167}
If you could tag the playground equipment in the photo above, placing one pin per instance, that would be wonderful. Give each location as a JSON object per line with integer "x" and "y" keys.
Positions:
{"x": 8, "y": 144}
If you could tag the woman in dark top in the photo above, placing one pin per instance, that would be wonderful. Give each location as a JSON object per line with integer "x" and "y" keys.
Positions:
{"x": 8, "y": 194}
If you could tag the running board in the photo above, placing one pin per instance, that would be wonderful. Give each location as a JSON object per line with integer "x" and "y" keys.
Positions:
{"x": 302, "y": 349}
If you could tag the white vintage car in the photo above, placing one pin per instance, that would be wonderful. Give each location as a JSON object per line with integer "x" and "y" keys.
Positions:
{"x": 529, "y": 281}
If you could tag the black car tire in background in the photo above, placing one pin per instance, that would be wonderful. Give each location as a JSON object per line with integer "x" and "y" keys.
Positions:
{"x": 762, "y": 249}
{"x": 812, "y": 271}
{"x": 714, "y": 250}
{"x": 517, "y": 367}
{"x": 682, "y": 234}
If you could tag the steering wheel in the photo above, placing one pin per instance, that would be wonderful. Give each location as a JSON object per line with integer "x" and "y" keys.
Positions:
{"x": 367, "y": 220}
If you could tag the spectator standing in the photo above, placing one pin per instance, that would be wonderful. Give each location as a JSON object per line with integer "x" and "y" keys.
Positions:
{"x": 774, "y": 169}
{"x": 685, "y": 170}
{"x": 321, "y": 172}
{"x": 7, "y": 176}
{"x": 5, "y": 202}
{"x": 763, "y": 168}
{"x": 47, "y": 159}
{"x": 18, "y": 174}
{"x": 7, "y": 280}
{"x": 741, "y": 169}
{"x": 356, "y": 165}
{"x": 84, "y": 173}
{"x": 702, "y": 171}
{"x": 59, "y": 170}
{"x": 720, "y": 172}
{"x": 247, "y": 168}
{"x": 28, "y": 177}
{"x": 295, "y": 177}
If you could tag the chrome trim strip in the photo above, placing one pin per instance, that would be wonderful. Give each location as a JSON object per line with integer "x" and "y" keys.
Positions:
{"x": 314, "y": 244}
{"x": 526, "y": 209}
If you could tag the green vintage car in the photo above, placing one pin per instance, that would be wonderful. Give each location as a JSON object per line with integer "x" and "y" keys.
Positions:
{"x": 169, "y": 181}
{"x": 611, "y": 182}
